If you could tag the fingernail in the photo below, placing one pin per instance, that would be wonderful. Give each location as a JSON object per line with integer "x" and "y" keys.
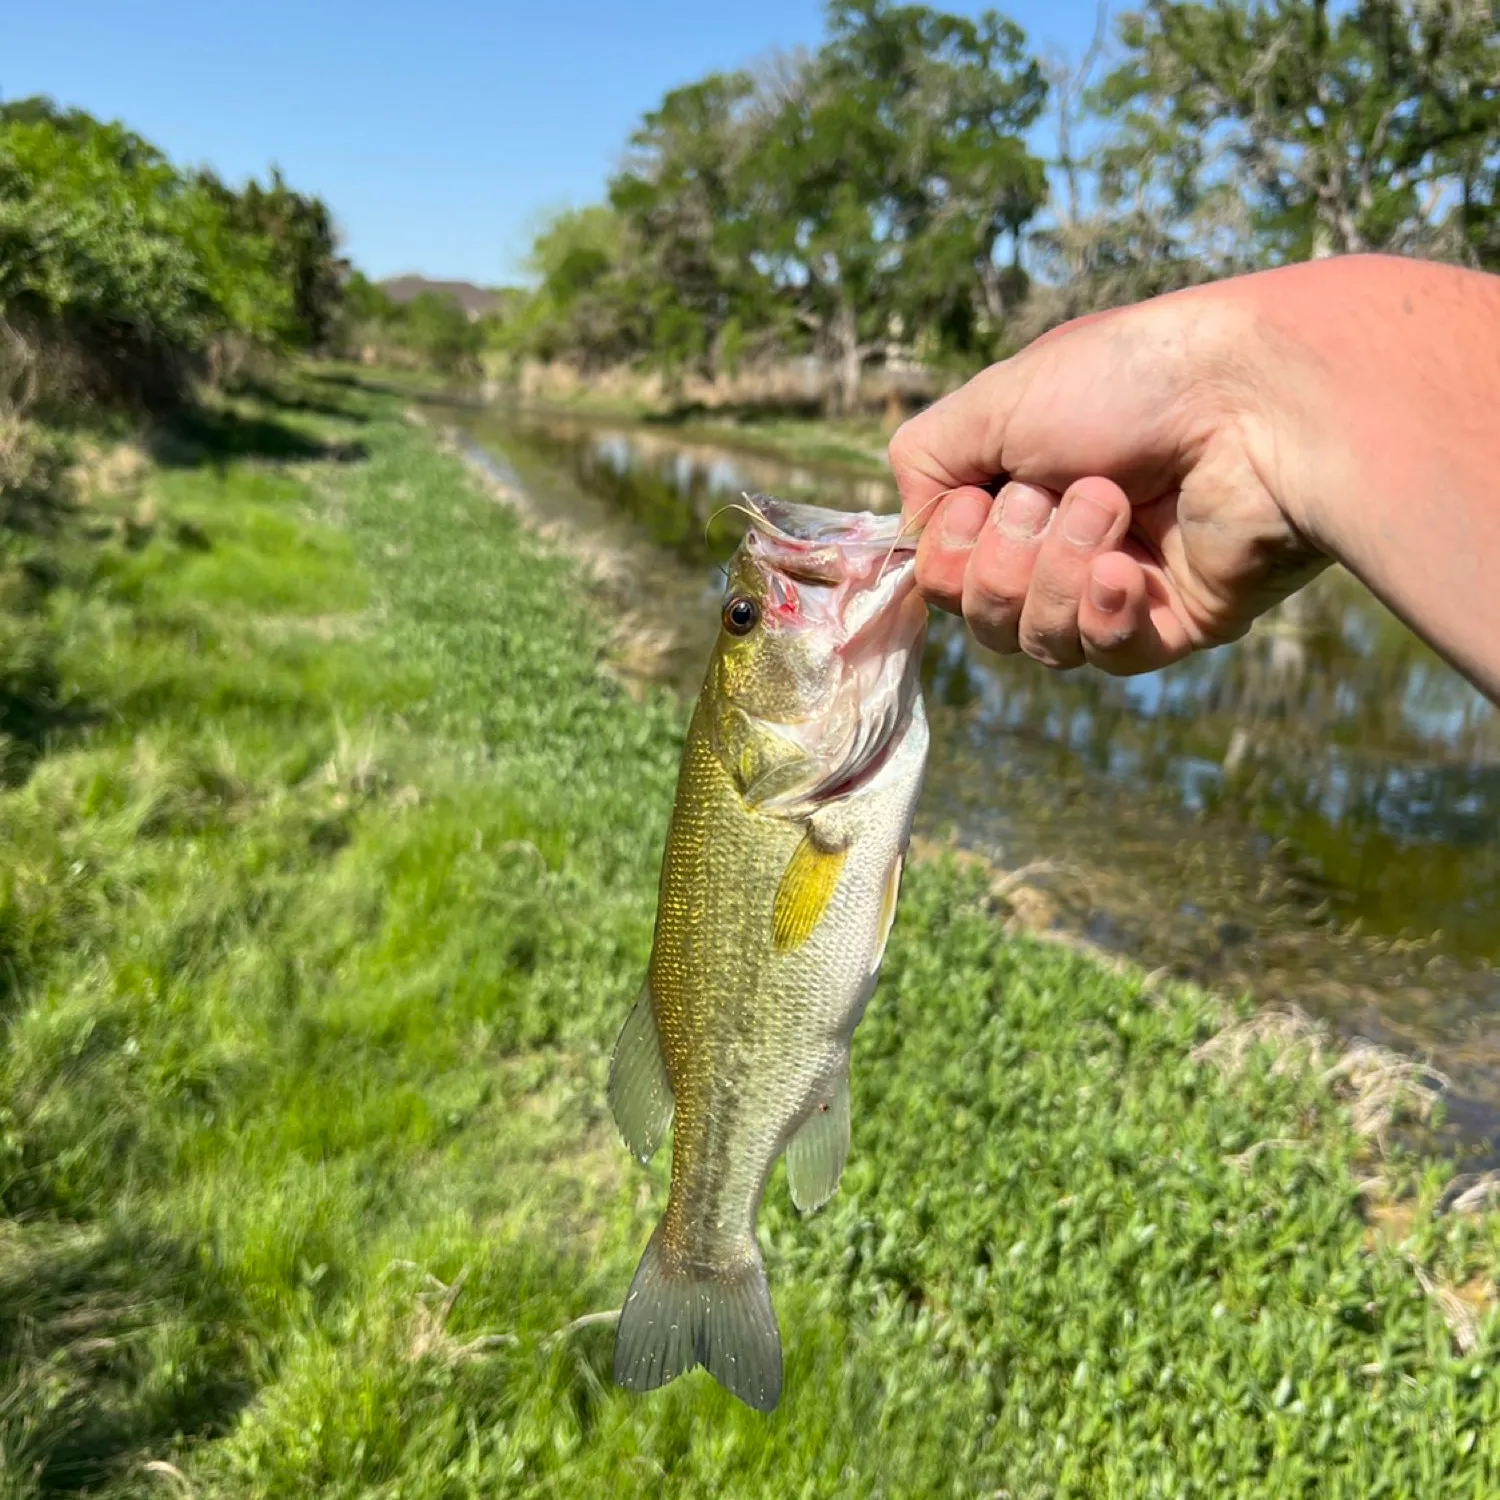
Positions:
{"x": 1107, "y": 598}
{"x": 963, "y": 515}
{"x": 1023, "y": 512}
{"x": 1087, "y": 522}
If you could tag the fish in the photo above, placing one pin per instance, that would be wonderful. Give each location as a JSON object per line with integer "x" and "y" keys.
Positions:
{"x": 800, "y": 773}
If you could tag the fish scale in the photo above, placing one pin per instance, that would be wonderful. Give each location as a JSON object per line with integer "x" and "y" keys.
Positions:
{"x": 775, "y": 901}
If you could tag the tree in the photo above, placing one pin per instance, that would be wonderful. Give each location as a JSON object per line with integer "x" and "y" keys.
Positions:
{"x": 681, "y": 207}
{"x": 113, "y": 257}
{"x": 134, "y": 273}
{"x": 884, "y": 171}
{"x": 438, "y": 328}
{"x": 587, "y": 306}
{"x": 1368, "y": 126}
{"x": 1139, "y": 234}
{"x": 304, "y": 243}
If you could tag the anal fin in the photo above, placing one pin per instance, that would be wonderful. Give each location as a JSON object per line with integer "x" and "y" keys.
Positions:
{"x": 640, "y": 1091}
{"x": 816, "y": 1154}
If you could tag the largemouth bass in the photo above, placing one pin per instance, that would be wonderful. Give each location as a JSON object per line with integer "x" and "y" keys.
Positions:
{"x": 799, "y": 776}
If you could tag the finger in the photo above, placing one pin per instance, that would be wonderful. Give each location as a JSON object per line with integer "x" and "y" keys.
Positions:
{"x": 1126, "y": 622}
{"x": 1093, "y": 518}
{"x": 1001, "y": 563}
{"x": 960, "y": 438}
{"x": 946, "y": 542}
{"x": 1114, "y": 619}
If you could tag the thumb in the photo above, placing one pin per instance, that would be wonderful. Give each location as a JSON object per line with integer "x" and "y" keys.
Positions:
{"x": 1102, "y": 395}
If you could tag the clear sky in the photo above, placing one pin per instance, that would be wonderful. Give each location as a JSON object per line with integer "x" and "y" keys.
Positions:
{"x": 440, "y": 131}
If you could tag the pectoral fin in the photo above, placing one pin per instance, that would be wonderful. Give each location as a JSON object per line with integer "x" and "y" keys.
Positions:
{"x": 640, "y": 1092}
{"x": 807, "y": 886}
{"x": 815, "y": 1156}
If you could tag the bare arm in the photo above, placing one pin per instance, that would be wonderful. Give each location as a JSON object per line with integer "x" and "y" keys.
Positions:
{"x": 1177, "y": 467}
{"x": 1402, "y": 478}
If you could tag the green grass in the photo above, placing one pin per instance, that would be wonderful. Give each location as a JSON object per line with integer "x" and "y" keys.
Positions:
{"x": 851, "y": 443}
{"x": 316, "y": 929}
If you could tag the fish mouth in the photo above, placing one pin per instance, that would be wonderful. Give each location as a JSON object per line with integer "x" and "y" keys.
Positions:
{"x": 823, "y": 523}
{"x": 819, "y": 525}
{"x": 845, "y": 571}
{"x": 852, "y": 574}
{"x": 855, "y": 562}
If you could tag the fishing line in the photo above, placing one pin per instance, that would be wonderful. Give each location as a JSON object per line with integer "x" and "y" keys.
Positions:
{"x": 747, "y": 510}
{"x": 913, "y": 520}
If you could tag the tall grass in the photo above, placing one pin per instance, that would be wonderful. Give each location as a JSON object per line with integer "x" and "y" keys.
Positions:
{"x": 317, "y": 921}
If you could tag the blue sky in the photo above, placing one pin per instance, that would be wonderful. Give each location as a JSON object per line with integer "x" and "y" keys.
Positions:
{"x": 441, "y": 132}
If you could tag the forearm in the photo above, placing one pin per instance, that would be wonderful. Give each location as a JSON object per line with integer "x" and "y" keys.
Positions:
{"x": 1398, "y": 417}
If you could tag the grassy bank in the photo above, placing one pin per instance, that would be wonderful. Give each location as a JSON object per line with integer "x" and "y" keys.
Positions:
{"x": 319, "y": 915}
{"x": 855, "y": 443}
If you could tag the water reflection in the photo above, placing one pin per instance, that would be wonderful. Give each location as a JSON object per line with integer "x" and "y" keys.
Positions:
{"x": 1313, "y": 812}
{"x": 673, "y": 488}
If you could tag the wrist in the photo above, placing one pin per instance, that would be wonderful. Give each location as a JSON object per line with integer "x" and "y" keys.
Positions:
{"x": 1368, "y": 364}
{"x": 1387, "y": 431}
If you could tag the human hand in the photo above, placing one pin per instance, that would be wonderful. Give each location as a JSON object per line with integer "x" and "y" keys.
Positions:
{"x": 1156, "y": 480}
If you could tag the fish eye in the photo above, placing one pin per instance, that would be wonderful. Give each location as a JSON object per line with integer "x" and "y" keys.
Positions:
{"x": 741, "y": 615}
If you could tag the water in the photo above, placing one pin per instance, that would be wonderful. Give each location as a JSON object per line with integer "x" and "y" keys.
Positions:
{"x": 1311, "y": 814}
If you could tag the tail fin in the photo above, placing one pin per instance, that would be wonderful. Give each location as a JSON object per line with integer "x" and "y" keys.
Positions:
{"x": 722, "y": 1319}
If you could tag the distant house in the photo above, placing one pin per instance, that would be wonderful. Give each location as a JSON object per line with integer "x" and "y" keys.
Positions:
{"x": 476, "y": 301}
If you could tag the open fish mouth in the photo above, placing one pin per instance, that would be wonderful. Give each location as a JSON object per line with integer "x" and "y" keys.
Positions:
{"x": 853, "y": 576}
{"x": 853, "y": 565}
{"x": 845, "y": 571}
{"x": 811, "y": 527}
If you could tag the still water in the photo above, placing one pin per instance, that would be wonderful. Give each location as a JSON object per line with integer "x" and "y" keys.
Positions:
{"x": 1311, "y": 814}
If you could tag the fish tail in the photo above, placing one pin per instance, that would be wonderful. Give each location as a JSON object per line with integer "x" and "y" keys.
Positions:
{"x": 676, "y": 1317}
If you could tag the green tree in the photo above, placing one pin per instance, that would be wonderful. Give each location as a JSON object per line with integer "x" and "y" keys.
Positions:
{"x": 363, "y": 302}
{"x": 133, "y": 273}
{"x": 886, "y": 171}
{"x": 680, "y": 205}
{"x": 107, "y": 248}
{"x": 439, "y": 329}
{"x": 587, "y": 305}
{"x": 1345, "y": 127}
{"x": 304, "y": 248}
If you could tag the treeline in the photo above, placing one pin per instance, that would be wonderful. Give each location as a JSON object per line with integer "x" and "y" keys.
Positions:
{"x": 879, "y": 201}
{"x": 431, "y": 331}
{"x": 123, "y": 277}
{"x": 876, "y": 200}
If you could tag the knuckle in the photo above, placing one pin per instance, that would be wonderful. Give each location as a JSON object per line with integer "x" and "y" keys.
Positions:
{"x": 905, "y": 449}
{"x": 1051, "y": 647}
{"x": 987, "y": 598}
{"x": 932, "y": 574}
{"x": 937, "y": 590}
{"x": 1054, "y": 599}
{"x": 996, "y": 637}
{"x": 1111, "y": 642}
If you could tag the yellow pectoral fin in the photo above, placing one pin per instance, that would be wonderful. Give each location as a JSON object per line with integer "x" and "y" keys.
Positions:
{"x": 811, "y": 876}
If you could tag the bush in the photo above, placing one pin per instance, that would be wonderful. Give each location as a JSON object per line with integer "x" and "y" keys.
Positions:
{"x": 132, "y": 275}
